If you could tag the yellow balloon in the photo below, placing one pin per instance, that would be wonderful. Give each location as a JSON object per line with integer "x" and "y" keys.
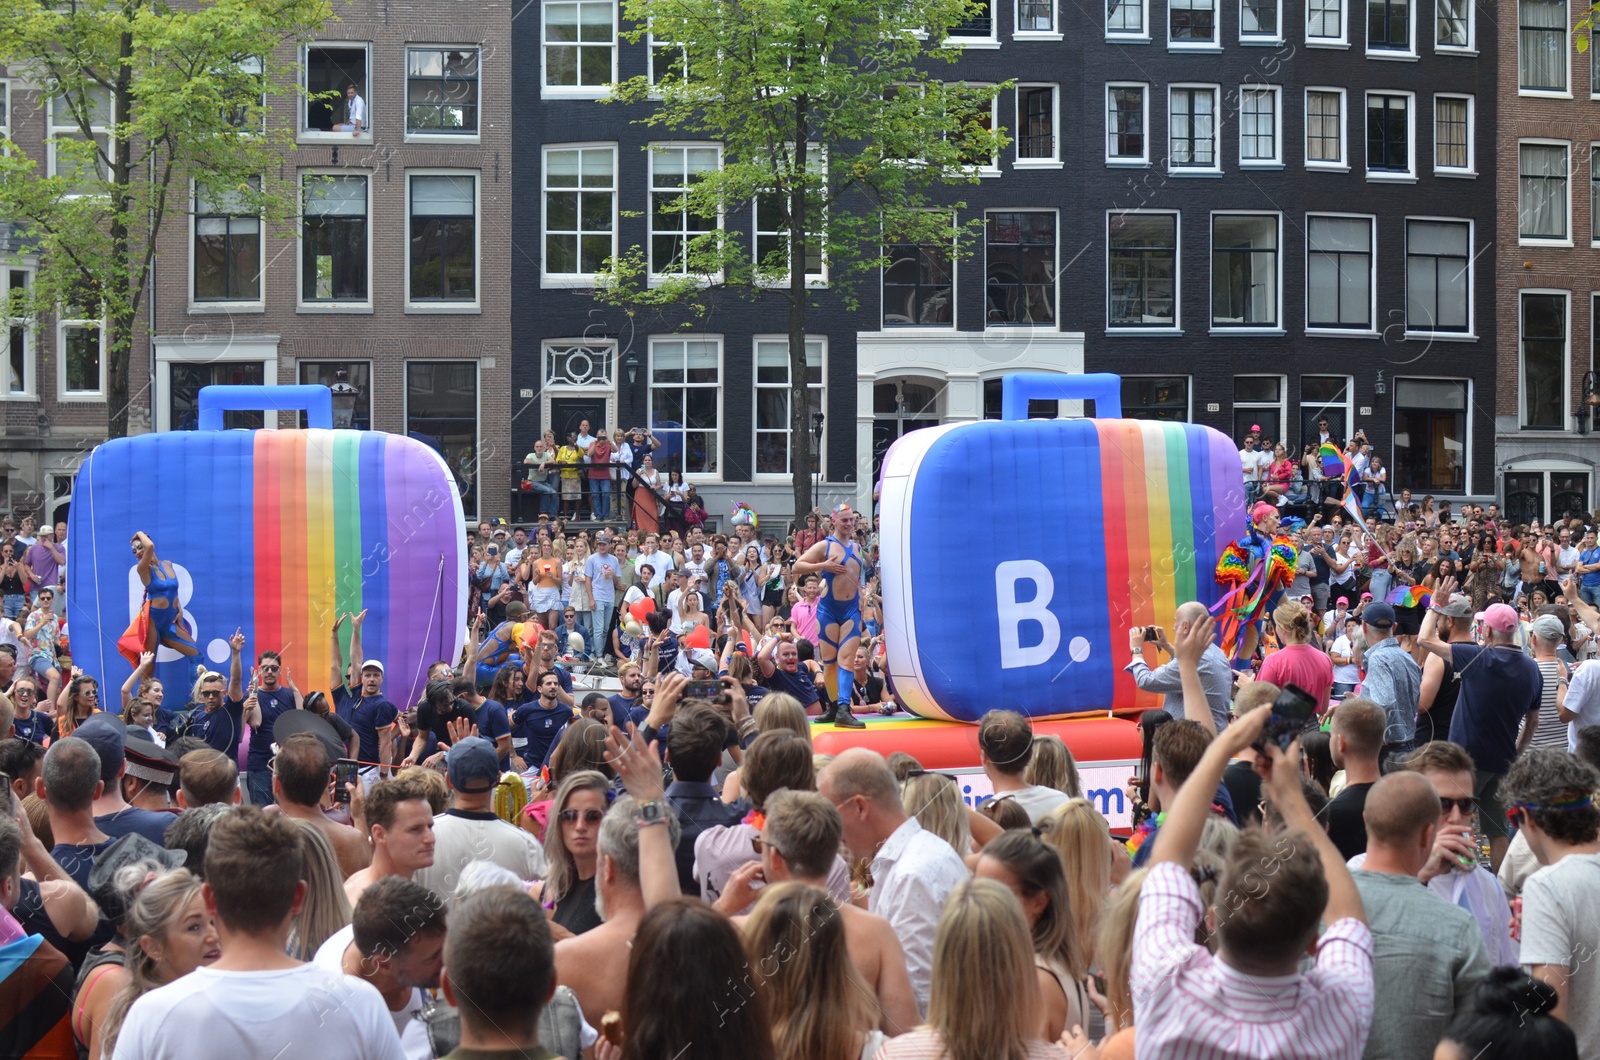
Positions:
{"x": 516, "y": 633}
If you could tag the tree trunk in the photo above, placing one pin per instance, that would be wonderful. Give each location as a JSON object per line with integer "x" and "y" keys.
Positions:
{"x": 799, "y": 403}
{"x": 122, "y": 318}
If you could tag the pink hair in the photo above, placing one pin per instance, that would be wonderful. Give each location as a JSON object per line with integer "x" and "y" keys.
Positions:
{"x": 1261, "y": 511}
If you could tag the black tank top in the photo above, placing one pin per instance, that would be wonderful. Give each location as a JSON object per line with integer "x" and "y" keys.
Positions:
{"x": 1434, "y": 724}
{"x": 575, "y": 910}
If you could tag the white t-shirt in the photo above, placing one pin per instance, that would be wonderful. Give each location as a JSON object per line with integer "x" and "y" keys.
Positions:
{"x": 1038, "y": 800}
{"x": 661, "y": 561}
{"x": 1583, "y": 699}
{"x": 1560, "y": 924}
{"x": 412, "y": 1031}
{"x": 1350, "y": 673}
{"x": 464, "y": 836}
{"x": 303, "y": 1011}
{"x": 1254, "y": 462}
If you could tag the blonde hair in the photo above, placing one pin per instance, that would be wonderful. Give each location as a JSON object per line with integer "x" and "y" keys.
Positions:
{"x": 933, "y": 799}
{"x": 157, "y": 905}
{"x": 1114, "y": 946}
{"x": 326, "y": 909}
{"x": 985, "y": 1001}
{"x": 1293, "y": 622}
{"x": 1082, "y": 837}
{"x": 433, "y": 783}
{"x": 562, "y": 873}
{"x": 1051, "y": 766}
{"x": 1218, "y": 836}
{"x": 818, "y": 1004}
{"x": 779, "y": 710}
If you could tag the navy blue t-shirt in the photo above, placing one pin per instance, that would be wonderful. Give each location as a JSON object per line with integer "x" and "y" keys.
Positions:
{"x": 493, "y": 723}
{"x": 34, "y": 728}
{"x": 541, "y": 728}
{"x": 221, "y": 728}
{"x": 622, "y": 709}
{"x": 367, "y": 715}
{"x": 799, "y": 684}
{"x": 273, "y": 705}
{"x": 152, "y": 824}
{"x": 1499, "y": 687}
{"x": 77, "y": 859}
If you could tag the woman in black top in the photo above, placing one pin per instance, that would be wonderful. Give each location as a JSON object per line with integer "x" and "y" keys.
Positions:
{"x": 572, "y": 849}
{"x": 12, "y": 589}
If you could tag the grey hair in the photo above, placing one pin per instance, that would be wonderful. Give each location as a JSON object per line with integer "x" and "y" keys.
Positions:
{"x": 619, "y": 837}
{"x": 482, "y": 875}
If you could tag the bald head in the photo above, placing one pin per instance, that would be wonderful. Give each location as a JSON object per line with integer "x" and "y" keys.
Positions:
{"x": 1399, "y": 807}
{"x": 859, "y": 771}
{"x": 1188, "y": 614}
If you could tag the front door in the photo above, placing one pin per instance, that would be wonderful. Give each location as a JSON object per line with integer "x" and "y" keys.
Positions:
{"x": 567, "y": 413}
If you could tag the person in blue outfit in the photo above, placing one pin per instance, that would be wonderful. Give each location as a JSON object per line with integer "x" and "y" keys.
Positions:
{"x": 364, "y": 706}
{"x": 500, "y": 646}
{"x": 161, "y": 592}
{"x": 840, "y": 565}
{"x": 275, "y": 696}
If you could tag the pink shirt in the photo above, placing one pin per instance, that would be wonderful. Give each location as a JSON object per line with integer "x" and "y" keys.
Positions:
{"x": 1189, "y": 1004}
{"x": 804, "y": 614}
{"x": 1303, "y": 665}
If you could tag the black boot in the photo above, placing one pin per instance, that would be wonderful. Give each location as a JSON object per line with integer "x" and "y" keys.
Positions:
{"x": 827, "y": 717}
{"x": 845, "y": 719}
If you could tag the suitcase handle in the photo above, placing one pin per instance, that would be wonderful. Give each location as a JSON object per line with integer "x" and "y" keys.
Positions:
{"x": 1017, "y": 389}
{"x": 315, "y": 400}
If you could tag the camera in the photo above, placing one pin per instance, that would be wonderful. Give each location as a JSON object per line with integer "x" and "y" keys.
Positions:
{"x": 1151, "y": 634}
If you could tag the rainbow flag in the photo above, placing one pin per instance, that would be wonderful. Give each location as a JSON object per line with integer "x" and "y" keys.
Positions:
{"x": 1409, "y": 596}
{"x": 1332, "y": 460}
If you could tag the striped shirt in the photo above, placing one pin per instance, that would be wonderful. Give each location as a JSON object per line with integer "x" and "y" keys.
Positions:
{"x": 1189, "y": 1005}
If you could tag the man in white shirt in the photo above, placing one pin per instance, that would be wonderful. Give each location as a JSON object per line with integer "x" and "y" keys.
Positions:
{"x": 1254, "y": 462}
{"x": 651, "y": 553}
{"x": 257, "y": 1002}
{"x": 355, "y": 121}
{"x": 469, "y": 830}
{"x": 913, "y": 871}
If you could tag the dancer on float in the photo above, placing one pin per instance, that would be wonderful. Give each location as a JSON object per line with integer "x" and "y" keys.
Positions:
{"x": 1254, "y": 572}
{"x": 836, "y": 559}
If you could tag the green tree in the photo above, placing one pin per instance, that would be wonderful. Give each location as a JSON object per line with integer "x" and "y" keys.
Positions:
{"x": 143, "y": 97}
{"x": 836, "y": 133}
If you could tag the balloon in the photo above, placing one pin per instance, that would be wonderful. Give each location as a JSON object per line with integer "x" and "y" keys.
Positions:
{"x": 639, "y": 608}
{"x": 698, "y": 637}
{"x": 516, "y": 632}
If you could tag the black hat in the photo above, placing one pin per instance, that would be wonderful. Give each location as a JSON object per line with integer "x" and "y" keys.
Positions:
{"x": 293, "y": 722}
{"x": 148, "y": 760}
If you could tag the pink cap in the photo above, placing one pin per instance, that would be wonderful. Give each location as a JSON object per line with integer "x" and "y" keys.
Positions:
{"x": 1366, "y": 596}
{"x": 1256, "y": 427}
{"x": 1502, "y": 618}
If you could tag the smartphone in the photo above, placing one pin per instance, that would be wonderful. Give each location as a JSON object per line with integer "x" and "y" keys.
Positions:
{"x": 1292, "y": 711}
{"x": 344, "y": 772}
{"x": 1150, "y": 634}
{"x": 703, "y": 690}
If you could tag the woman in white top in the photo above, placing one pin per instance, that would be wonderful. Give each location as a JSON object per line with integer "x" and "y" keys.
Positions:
{"x": 576, "y": 582}
{"x": 675, "y": 489}
{"x": 649, "y": 475}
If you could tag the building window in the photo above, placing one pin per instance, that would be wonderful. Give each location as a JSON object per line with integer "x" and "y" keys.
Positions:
{"x": 1156, "y": 397}
{"x": 1430, "y": 436}
{"x": 1388, "y": 133}
{"x": 1036, "y": 16}
{"x": 1260, "y": 20}
{"x": 1389, "y": 25}
{"x": 1192, "y": 22}
{"x": 669, "y": 60}
{"x": 444, "y": 238}
{"x": 1259, "y": 124}
{"x": 1036, "y": 123}
{"x": 5, "y": 108}
{"x": 673, "y": 226}
{"x": 1439, "y": 276}
{"x": 442, "y": 410}
{"x": 227, "y": 245}
{"x": 580, "y": 206}
{"x": 334, "y": 244}
{"x": 1126, "y": 18}
{"x": 1325, "y": 22}
{"x": 357, "y": 374}
{"x": 330, "y": 71}
{"x": 82, "y": 355}
{"x": 1193, "y": 125}
{"x": 1542, "y": 180}
{"x": 1244, "y": 271}
{"x": 1127, "y": 118}
{"x": 1258, "y": 405}
{"x": 20, "y": 363}
{"x": 771, "y": 255}
{"x": 442, "y": 91}
{"x": 1143, "y": 270}
{"x": 772, "y": 403}
{"x": 580, "y": 46}
{"x": 1542, "y": 45}
{"x": 685, "y": 414}
{"x": 185, "y": 380}
{"x": 72, "y": 157}
{"x": 1452, "y": 134}
{"x": 1339, "y": 273}
{"x": 919, "y": 284}
{"x": 1594, "y": 199}
{"x": 1452, "y": 24}
{"x": 977, "y": 26}
{"x": 1325, "y": 127}
{"x": 1324, "y": 397}
{"x": 1544, "y": 362}
{"x": 1020, "y": 267}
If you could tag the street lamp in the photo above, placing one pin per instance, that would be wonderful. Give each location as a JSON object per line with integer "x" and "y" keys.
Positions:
{"x": 344, "y": 399}
{"x": 1589, "y": 408}
{"x": 632, "y": 365}
{"x": 816, "y": 453}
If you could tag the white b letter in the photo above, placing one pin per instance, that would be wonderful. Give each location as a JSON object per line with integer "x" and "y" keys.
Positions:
{"x": 1014, "y": 612}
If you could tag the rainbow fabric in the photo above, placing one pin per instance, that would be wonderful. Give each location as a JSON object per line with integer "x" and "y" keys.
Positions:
{"x": 1409, "y": 596}
{"x": 1254, "y": 585}
{"x": 1332, "y": 460}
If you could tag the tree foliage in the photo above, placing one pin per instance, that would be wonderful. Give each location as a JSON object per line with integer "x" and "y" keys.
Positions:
{"x": 142, "y": 97}
{"x": 837, "y": 131}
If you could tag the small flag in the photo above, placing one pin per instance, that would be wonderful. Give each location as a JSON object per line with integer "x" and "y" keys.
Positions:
{"x": 1409, "y": 596}
{"x": 1332, "y": 460}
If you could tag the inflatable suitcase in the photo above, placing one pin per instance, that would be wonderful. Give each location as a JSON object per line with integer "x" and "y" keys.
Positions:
{"x": 274, "y": 532}
{"x": 1017, "y": 554}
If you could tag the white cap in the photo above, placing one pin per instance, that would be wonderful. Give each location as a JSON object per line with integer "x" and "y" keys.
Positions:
{"x": 373, "y": 663}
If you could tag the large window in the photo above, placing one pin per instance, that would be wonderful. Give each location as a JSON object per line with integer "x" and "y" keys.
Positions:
{"x": 1543, "y": 205}
{"x": 580, "y": 46}
{"x": 1439, "y": 276}
{"x": 81, "y": 356}
{"x": 336, "y": 76}
{"x": 1036, "y": 124}
{"x": 1430, "y": 436}
{"x": 1192, "y": 22}
{"x": 580, "y": 205}
{"x": 1388, "y": 134}
{"x": 1325, "y": 128}
{"x": 442, "y": 410}
{"x": 979, "y": 25}
{"x": 1339, "y": 273}
{"x": 356, "y": 373}
{"x": 1452, "y": 24}
{"x": 21, "y": 362}
{"x": 1452, "y": 134}
{"x": 1244, "y": 271}
{"x": 227, "y": 246}
{"x": 1389, "y": 25}
{"x": 771, "y": 251}
{"x": 1192, "y": 126}
{"x": 1260, "y": 20}
{"x": 772, "y": 403}
{"x": 1142, "y": 270}
{"x": 1036, "y": 16}
{"x": 185, "y": 380}
{"x": 1155, "y": 397}
{"x": 1324, "y": 397}
{"x": 1542, "y": 45}
{"x": 1020, "y": 267}
{"x": 1544, "y": 362}
{"x": 442, "y": 91}
{"x": 81, "y": 160}
{"x": 685, "y": 403}
{"x": 1325, "y": 22}
{"x": 1258, "y": 405}
{"x": 919, "y": 284}
{"x": 334, "y": 244}
{"x": 1127, "y": 118}
{"x": 444, "y": 238}
{"x": 673, "y": 226}
{"x": 1260, "y": 119}
{"x": 1127, "y": 18}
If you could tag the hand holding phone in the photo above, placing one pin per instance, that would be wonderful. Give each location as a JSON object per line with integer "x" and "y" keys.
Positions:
{"x": 1292, "y": 711}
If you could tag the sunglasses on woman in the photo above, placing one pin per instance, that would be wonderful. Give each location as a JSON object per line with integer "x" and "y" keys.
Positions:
{"x": 589, "y": 816}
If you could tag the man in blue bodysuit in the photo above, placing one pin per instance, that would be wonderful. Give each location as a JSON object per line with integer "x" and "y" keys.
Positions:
{"x": 838, "y": 561}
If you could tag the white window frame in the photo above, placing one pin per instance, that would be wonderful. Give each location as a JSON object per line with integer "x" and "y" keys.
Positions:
{"x": 1349, "y": 403}
{"x": 549, "y": 91}
{"x": 1105, "y": 107}
{"x": 1054, "y": 323}
{"x": 571, "y": 279}
{"x": 816, "y": 157}
{"x": 1469, "y": 48}
{"x": 316, "y": 136}
{"x": 990, "y": 42}
{"x": 5, "y": 107}
{"x": 756, "y": 432}
{"x": 652, "y": 43}
{"x": 1275, "y": 328}
{"x": 1406, "y": 54}
{"x": 1281, "y": 405}
{"x": 1466, "y": 441}
{"x": 1567, "y": 50}
{"x": 1343, "y": 165}
{"x": 30, "y": 338}
{"x": 301, "y": 305}
{"x": 955, "y": 281}
{"x": 1261, "y": 38}
{"x": 1215, "y": 168}
{"x": 1275, "y": 93}
{"x": 453, "y": 306}
{"x": 650, "y": 214}
{"x": 1342, "y": 40}
{"x": 1391, "y": 176}
{"x": 1372, "y": 278}
{"x": 1174, "y": 328}
{"x": 52, "y": 131}
{"x": 1536, "y": 241}
{"x": 1140, "y": 36}
{"x": 1472, "y": 278}
{"x": 1051, "y": 34}
{"x": 439, "y": 136}
{"x": 1471, "y": 168}
{"x": 471, "y": 516}
{"x": 1212, "y": 45}
{"x": 698, "y": 477}
{"x": 62, "y": 393}
{"x": 1566, "y": 359}
{"x": 243, "y": 305}
{"x": 1054, "y": 160}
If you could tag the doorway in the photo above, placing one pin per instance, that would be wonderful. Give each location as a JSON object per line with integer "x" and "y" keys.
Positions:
{"x": 567, "y": 413}
{"x": 1545, "y": 494}
{"x": 898, "y": 408}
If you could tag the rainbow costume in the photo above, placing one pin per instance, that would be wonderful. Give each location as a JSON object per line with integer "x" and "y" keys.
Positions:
{"x": 1254, "y": 570}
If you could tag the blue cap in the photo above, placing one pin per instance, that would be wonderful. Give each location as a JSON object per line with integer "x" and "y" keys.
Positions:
{"x": 472, "y": 766}
{"x": 1378, "y": 616}
{"x": 107, "y": 734}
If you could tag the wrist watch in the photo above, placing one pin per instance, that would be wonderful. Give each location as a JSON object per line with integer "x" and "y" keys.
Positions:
{"x": 651, "y": 811}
